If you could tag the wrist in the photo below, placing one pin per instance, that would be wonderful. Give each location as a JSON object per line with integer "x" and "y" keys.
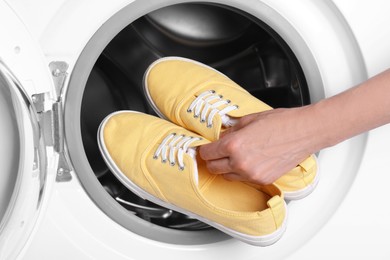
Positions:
{"x": 330, "y": 122}
{"x": 319, "y": 131}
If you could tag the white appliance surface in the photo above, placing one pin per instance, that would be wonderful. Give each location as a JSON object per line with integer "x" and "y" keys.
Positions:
{"x": 346, "y": 217}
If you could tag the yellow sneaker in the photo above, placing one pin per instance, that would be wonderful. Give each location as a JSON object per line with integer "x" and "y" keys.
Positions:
{"x": 203, "y": 100}
{"x": 300, "y": 181}
{"x": 157, "y": 160}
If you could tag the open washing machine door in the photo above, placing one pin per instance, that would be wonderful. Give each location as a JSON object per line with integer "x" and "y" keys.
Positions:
{"x": 277, "y": 44}
{"x": 23, "y": 152}
{"x": 23, "y": 164}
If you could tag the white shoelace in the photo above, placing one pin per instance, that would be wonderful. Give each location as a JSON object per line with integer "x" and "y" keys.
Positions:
{"x": 202, "y": 106}
{"x": 174, "y": 147}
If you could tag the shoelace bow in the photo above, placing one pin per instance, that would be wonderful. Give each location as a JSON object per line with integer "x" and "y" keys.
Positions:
{"x": 202, "y": 106}
{"x": 175, "y": 146}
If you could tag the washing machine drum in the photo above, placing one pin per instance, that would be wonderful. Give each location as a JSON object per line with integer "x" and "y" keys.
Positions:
{"x": 237, "y": 44}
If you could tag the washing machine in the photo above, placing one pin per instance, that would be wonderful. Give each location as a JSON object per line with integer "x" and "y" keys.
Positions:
{"x": 65, "y": 65}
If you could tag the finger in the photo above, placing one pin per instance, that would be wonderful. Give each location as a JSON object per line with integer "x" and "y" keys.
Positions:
{"x": 244, "y": 121}
{"x": 231, "y": 176}
{"x": 219, "y": 166}
{"x": 227, "y": 131}
{"x": 213, "y": 151}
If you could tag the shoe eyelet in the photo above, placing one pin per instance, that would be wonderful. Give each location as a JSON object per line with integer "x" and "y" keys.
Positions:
{"x": 155, "y": 157}
{"x": 228, "y": 101}
{"x": 210, "y": 126}
{"x": 237, "y": 106}
{"x": 189, "y": 110}
{"x": 181, "y": 168}
{"x": 164, "y": 161}
{"x": 196, "y": 116}
{"x": 172, "y": 164}
{"x": 220, "y": 96}
{"x": 212, "y": 91}
{"x": 202, "y": 120}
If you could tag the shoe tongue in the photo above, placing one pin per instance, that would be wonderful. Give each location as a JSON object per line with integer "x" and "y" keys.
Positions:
{"x": 192, "y": 153}
{"x": 200, "y": 173}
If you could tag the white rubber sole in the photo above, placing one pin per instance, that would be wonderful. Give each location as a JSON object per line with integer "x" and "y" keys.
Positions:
{"x": 253, "y": 240}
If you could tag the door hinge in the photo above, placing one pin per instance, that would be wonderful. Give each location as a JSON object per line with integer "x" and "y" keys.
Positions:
{"x": 50, "y": 116}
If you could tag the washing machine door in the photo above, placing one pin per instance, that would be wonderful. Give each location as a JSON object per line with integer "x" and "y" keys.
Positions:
{"x": 23, "y": 163}
{"x": 23, "y": 157}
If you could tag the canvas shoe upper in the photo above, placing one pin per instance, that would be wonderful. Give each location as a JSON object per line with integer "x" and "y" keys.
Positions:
{"x": 157, "y": 161}
{"x": 197, "y": 97}
{"x": 203, "y": 100}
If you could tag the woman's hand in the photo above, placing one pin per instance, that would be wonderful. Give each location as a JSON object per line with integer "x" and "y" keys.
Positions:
{"x": 262, "y": 147}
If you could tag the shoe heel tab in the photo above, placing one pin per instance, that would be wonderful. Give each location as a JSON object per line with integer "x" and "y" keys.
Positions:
{"x": 276, "y": 202}
{"x": 309, "y": 163}
{"x": 278, "y": 209}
